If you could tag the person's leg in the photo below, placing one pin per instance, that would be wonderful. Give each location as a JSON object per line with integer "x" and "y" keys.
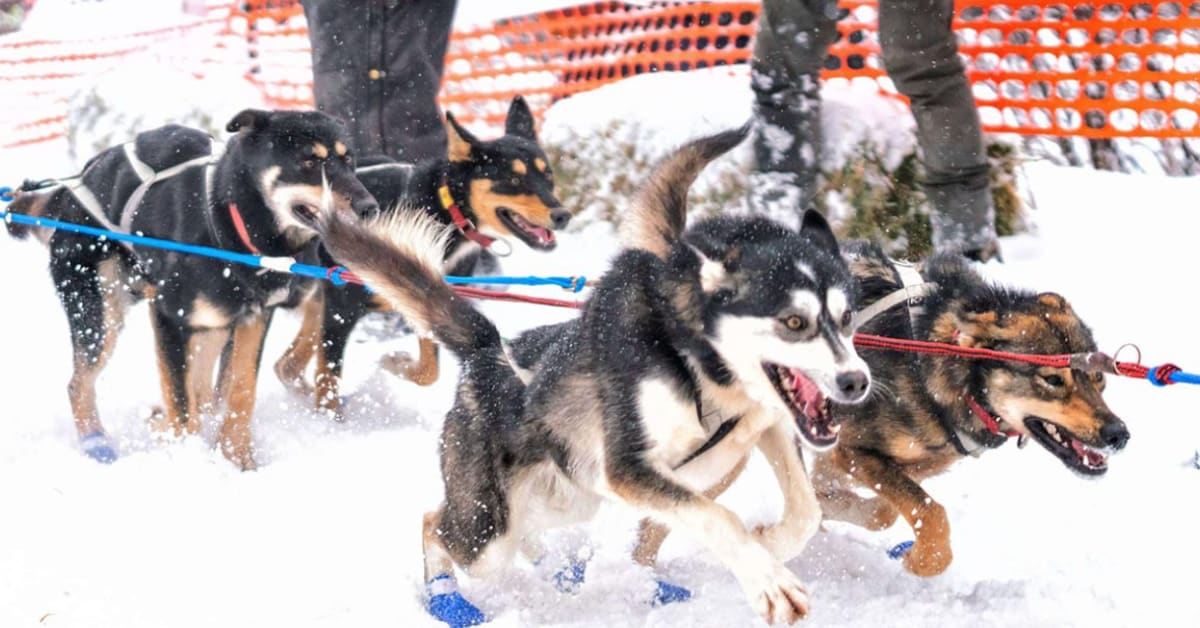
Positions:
{"x": 789, "y": 51}
{"x": 417, "y": 33}
{"x": 921, "y": 56}
{"x": 345, "y": 39}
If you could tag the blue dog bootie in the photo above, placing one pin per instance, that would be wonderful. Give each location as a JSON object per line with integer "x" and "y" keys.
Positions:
{"x": 899, "y": 550}
{"x": 667, "y": 593}
{"x": 569, "y": 578}
{"x": 97, "y": 447}
{"x": 446, "y": 604}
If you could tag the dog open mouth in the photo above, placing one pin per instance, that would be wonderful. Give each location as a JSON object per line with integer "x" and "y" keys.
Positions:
{"x": 809, "y": 406}
{"x": 1059, "y": 441}
{"x": 536, "y": 237}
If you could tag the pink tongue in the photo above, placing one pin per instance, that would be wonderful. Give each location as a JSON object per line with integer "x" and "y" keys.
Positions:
{"x": 1093, "y": 459}
{"x": 807, "y": 392}
{"x": 543, "y": 234}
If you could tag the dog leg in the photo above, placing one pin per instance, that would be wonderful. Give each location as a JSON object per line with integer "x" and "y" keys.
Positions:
{"x": 239, "y": 380}
{"x": 445, "y": 602}
{"x": 291, "y": 366}
{"x": 422, "y": 372}
{"x": 331, "y": 353}
{"x": 173, "y": 344}
{"x": 652, "y": 534}
{"x": 801, "y": 510}
{"x": 95, "y": 313}
{"x": 775, "y": 593}
{"x": 840, "y": 503}
{"x": 930, "y": 554}
{"x": 203, "y": 350}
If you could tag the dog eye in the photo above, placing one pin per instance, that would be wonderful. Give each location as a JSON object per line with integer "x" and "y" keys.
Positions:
{"x": 309, "y": 164}
{"x": 847, "y": 318}
{"x": 1053, "y": 380}
{"x": 516, "y": 181}
{"x": 795, "y": 323}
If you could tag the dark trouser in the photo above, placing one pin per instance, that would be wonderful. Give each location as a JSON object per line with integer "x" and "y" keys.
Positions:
{"x": 921, "y": 57}
{"x": 377, "y": 65}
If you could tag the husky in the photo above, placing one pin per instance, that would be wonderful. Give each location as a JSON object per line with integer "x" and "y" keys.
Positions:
{"x": 684, "y": 334}
{"x": 930, "y": 411}
{"x": 170, "y": 183}
{"x": 489, "y": 190}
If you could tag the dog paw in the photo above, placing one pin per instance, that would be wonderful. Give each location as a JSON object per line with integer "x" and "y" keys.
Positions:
{"x": 928, "y": 559}
{"x": 570, "y": 577}
{"x": 783, "y": 600}
{"x": 446, "y": 604}
{"x": 295, "y": 383}
{"x": 667, "y": 593}
{"x": 97, "y": 447}
{"x": 239, "y": 455}
{"x": 403, "y": 364}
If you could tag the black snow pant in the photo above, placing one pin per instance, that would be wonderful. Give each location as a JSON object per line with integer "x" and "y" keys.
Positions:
{"x": 921, "y": 57}
{"x": 377, "y": 65}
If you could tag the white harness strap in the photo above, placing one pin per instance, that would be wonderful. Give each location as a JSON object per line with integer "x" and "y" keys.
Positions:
{"x": 91, "y": 204}
{"x": 149, "y": 177}
{"x": 913, "y": 290}
{"x": 384, "y": 166}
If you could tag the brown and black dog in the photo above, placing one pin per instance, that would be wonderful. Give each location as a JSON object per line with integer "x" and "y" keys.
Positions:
{"x": 929, "y": 411}
{"x": 171, "y": 183}
{"x": 501, "y": 188}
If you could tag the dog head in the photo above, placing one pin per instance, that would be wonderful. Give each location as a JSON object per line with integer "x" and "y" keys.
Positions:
{"x": 301, "y": 163}
{"x": 1061, "y": 408}
{"x": 778, "y": 309}
{"x": 507, "y": 181}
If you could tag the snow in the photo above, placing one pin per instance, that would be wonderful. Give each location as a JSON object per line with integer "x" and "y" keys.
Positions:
{"x": 327, "y": 531}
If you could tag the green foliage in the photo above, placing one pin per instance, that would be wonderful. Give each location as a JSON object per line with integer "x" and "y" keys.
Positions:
{"x": 597, "y": 173}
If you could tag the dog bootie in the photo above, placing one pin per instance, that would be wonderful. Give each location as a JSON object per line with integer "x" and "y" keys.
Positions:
{"x": 97, "y": 446}
{"x": 568, "y": 579}
{"x": 667, "y": 593}
{"x": 448, "y": 605}
{"x": 900, "y": 549}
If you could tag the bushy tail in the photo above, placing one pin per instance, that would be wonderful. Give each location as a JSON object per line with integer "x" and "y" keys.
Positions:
{"x": 659, "y": 212}
{"x": 399, "y": 255}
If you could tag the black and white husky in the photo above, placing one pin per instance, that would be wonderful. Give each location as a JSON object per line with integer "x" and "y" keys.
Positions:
{"x": 741, "y": 326}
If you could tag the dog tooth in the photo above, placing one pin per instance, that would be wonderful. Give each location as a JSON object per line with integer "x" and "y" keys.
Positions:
{"x": 1022, "y": 441}
{"x": 1051, "y": 429}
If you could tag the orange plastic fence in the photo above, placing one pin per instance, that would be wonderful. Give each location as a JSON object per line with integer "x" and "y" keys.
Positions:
{"x": 1085, "y": 68}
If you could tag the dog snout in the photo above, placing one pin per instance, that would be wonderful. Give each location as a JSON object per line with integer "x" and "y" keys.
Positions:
{"x": 1114, "y": 434}
{"x": 560, "y": 218}
{"x": 365, "y": 207}
{"x": 852, "y": 384}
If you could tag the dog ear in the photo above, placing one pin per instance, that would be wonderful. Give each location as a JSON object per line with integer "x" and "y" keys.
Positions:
{"x": 1054, "y": 301}
{"x": 717, "y": 274}
{"x": 251, "y": 120}
{"x": 814, "y": 225}
{"x": 520, "y": 121}
{"x": 458, "y": 140}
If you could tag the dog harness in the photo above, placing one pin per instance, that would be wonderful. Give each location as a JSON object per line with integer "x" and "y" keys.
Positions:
{"x": 149, "y": 177}
{"x": 913, "y": 292}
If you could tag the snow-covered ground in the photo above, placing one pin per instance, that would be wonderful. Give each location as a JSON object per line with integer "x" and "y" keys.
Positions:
{"x": 326, "y": 533}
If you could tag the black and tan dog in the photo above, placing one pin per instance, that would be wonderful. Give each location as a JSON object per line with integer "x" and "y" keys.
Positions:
{"x": 929, "y": 411}
{"x": 488, "y": 190}
{"x": 736, "y": 322}
{"x": 169, "y": 184}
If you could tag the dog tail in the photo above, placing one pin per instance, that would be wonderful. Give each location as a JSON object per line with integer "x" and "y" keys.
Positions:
{"x": 400, "y": 257}
{"x": 659, "y": 212}
{"x": 33, "y": 204}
